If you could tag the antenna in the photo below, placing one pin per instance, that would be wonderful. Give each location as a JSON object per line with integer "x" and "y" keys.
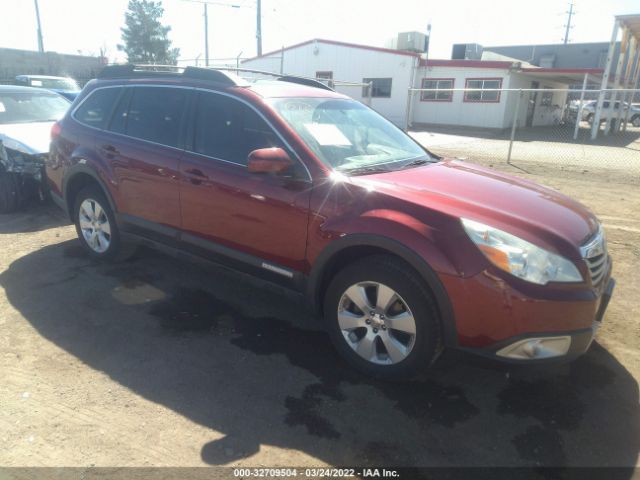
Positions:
{"x": 568, "y": 26}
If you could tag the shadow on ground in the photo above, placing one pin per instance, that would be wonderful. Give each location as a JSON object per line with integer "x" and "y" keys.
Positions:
{"x": 247, "y": 360}
{"x": 35, "y": 216}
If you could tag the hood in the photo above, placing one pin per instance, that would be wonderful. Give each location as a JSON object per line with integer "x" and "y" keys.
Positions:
{"x": 29, "y": 138}
{"x": 509, "y": 203}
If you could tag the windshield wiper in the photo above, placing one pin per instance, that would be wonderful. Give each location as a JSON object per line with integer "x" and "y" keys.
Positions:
{"x": 364, "y": 170}
{"x": 416, "y": 163}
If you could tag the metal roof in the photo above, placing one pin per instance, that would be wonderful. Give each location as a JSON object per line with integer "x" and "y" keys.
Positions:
{"x": 632, "y": 23}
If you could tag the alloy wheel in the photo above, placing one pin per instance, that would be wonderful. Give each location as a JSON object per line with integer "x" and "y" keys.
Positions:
{"x": 94, "y": 225}
{"x": 376, "y": 323}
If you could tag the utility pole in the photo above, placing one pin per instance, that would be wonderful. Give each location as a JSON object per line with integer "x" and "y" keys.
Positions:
{"x": 40, "y": 43}
{"x": 206, "y": 22}
{"x": 259, "y": 26}
{"x": 206, "y": 36}
{"x": 568, "y": 25}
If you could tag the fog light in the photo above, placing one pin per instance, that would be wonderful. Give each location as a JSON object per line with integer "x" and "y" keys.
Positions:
{"x": 536, "y": 348}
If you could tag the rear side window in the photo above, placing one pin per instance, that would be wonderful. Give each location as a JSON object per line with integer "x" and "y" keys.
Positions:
{"x": 229, "y": 130}
{"x": 155, "y": 114}
{"x": 96, "y": 109}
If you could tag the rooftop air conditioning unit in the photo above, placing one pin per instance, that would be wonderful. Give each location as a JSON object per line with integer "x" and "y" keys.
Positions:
{"x": 411, "y": 41}
{"x": 466, "y": 51}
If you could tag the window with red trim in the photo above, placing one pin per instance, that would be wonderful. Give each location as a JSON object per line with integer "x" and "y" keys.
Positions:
{"x": 441, "y": 89}
{"x": 483, "y": 90}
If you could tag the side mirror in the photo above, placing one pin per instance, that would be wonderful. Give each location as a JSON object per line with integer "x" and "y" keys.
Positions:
{"x": 268, "y": 160}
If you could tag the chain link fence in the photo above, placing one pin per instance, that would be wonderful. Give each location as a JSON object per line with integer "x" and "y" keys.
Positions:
{"x": 553, "y": 127}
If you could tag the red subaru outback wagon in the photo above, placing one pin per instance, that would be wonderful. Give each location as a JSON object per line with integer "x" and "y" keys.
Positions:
{"x": 402, "y": 253}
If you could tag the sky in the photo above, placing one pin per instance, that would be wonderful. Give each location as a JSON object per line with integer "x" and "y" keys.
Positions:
{"x": 86, "y": 26}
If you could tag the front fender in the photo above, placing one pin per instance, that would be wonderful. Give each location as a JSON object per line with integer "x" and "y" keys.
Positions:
{"x": 411, "y": 242}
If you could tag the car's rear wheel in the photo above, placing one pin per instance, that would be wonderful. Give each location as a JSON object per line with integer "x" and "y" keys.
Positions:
{"x": 95, "y": 223}
{"x": 382, "y": 318}
{"x": 635, "y": 121}
{"x": 11, "y": 192}
{"x": 590, "y": 118}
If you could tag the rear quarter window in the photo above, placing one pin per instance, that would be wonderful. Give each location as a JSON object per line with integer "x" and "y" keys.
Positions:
{"x": 96, "y": 109}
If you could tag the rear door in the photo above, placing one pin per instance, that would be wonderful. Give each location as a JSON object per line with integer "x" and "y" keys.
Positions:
{"x": 144, "y": 146}
{"x": 264, "y": 216}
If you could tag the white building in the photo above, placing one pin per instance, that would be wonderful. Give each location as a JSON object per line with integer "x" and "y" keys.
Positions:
{"x": 393, "y": 72}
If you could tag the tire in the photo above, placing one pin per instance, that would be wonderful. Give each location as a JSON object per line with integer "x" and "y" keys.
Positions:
{"x": 590, "y": 118}
{"x": 96, "y": 224}
{"x": 11, "y": 192}
{"x": 635, "y": 121}
{"x": 368, "y": 340}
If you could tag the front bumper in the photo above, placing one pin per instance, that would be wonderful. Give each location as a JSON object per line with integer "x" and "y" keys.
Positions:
{"x": 545, "y": 346}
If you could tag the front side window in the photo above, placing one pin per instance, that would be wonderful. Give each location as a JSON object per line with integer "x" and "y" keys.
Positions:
{"x": 380, "y": 88}
{"x": 97, "y": 108}
{"x": 439, "y": 90}
{"x": 27, "y": 107}
{"x": 347, "y": 136}
{"x": 229, "y": 130}
{"x": 155, "y": 114}
{"x": 479, "y": 94}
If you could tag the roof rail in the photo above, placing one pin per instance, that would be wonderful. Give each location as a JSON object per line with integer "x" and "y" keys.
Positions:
{"x": 308, "y": 81}
{"x": 145, "y": 70}
{"x": 215, "y": 74}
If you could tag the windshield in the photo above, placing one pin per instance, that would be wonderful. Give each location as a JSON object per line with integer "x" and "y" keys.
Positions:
{"x": 348, "y": 136}
{"x": 55, "y": 83}
{"x": 23, "y": 107}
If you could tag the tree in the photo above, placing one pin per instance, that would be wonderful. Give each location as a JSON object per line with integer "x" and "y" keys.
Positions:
{"x": 145, "y": 38}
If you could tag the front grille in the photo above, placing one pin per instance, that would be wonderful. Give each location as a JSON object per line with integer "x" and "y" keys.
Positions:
{"x": 595, "y": 254}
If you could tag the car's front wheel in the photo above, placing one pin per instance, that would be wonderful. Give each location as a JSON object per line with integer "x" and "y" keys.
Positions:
{"x": 95, "y": 223}
{"x": 635, "y": 121}
{"x": 382, "y": 318}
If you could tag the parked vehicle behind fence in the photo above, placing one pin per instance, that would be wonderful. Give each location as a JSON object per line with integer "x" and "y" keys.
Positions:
{"x": 26, "y": 117}
{"x": 589, "y": 112}
{"x": 400, "y": 252}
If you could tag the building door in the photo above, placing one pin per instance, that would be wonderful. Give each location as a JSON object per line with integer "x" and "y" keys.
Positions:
{"x": 531, "y": 106}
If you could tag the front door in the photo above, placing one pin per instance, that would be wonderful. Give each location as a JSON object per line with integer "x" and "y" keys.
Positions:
{"x": 261, "y": 215}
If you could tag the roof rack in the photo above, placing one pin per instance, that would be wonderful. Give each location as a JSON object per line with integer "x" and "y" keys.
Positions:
{"x": 215, "y": 74}
{"x": 308, "y": 81}
{"x": 145, "y": 70}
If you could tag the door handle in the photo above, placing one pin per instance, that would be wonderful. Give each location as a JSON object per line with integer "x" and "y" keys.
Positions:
{"x": 196, "y": 175}
{"x": 196, "y": 172}
{"x": 109, "y": 150}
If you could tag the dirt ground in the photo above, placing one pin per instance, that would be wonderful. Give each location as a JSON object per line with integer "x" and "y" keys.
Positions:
{"x": 164, "y": 361}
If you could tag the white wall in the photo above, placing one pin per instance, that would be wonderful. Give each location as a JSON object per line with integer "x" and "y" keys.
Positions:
{"x": 355, "y": 64}
{"x": 458, "y": 112}
{"x": 348, "y": 64}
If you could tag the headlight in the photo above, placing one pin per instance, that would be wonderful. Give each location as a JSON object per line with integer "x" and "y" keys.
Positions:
{"x": 519, "y": 257}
